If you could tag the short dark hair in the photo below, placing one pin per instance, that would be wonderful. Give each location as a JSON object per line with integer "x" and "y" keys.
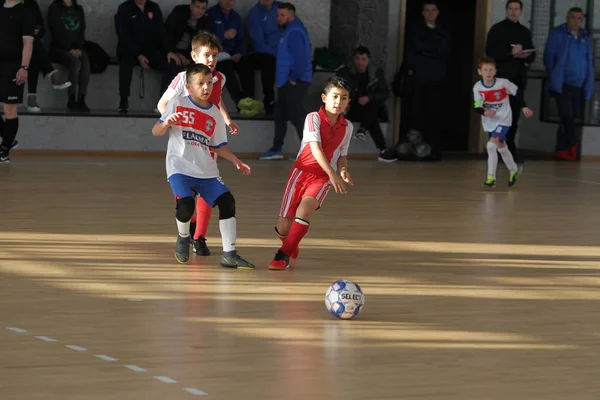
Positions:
{"x": 206, "y": 39}
{"x": 487, "y": 60}
{"x": 196, "y": 69}
{"x": 336, "y": 82}
{"x": 575, "y": 10}
{"x": 199, "y": 1}
{"x": 288, "y": 6}
{"x": 430, "y": 3}
{"x": 519, "y": 2}
{"x": 363, "y": 50}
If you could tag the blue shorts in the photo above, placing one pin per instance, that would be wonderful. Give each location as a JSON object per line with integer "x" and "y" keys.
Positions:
{"x": 186, "y": 186}
{"x": 500, "y": 132}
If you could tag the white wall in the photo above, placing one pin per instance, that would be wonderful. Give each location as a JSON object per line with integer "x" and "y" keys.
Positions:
{"x": 100, "y": 14}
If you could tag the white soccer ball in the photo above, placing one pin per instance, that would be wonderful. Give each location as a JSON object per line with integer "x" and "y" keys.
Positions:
{"x": 344, "y": 299}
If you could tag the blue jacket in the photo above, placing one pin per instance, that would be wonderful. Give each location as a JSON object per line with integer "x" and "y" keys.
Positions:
{"x": 263, "y": 29}
{"x": 563, "y": 56}
{"x": 294, "y": 55}
{"x": 222, "y": 22}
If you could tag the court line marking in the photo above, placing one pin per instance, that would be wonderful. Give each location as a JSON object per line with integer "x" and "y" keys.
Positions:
{"x": 105, "y": 357}
{"x": 15, "y": 329}
{"x": 135, "y": 368}
{"x": 195, "y": 392}
{"x": 135, "y": 300}
{"x": 165, "y": 379}
{"x": 46, "y": 339}
{"x": 76, "y": 348}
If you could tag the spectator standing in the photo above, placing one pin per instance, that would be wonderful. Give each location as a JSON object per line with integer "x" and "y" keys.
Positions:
{"x": 428, "y": 52}
{"x": 293, "y": 76}
{"x": 569, "y": 61}
{"x": 184, "y": 22}
{"x": 264, "y": 33}
{"x": 140, "y": 29}
{"x": 368, "y": 96}
{"x": 66, "y": 20}
{"x": 510, "y": 44}
{"x": 16, "y": 45}
{"x": 40, "y": 60}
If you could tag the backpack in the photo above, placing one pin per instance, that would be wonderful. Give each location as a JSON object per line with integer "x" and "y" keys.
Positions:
{"x": 99, "y": 58}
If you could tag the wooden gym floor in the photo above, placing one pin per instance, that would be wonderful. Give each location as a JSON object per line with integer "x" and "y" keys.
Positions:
{"x": 470, "y": 294}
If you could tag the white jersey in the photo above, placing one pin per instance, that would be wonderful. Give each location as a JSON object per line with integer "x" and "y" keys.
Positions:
{"x": 199, "y": 130}
{"x": 496, "y": 98}
{"x": 177, "y": 87}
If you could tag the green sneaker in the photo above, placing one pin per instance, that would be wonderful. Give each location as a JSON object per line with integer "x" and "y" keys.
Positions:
{"x": 514, "y": 176}
{"x": 182, "y": 249}
{"x": 231, "y": 259}
{"x": 490, "y": 181}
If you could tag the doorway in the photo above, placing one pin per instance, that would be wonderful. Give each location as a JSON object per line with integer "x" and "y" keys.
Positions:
{"x": 459, "y": 18}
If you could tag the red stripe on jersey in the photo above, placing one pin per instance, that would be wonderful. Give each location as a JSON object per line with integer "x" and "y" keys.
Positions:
{"x": 197, "y": 120}
{"x": 175, "y": 82}
{"x": 217, "y": 92}
{"x": 494, "y": 96}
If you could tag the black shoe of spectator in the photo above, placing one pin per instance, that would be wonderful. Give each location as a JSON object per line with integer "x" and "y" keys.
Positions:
{"x": 123, "y": 105}
{"x": 387, "y": 156}
{"x": 72, "y": 104}
{"x": 81, "y": 106}
{"x": 269, "y": 107}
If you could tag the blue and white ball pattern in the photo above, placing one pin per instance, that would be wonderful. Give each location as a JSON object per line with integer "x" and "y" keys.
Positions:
{"x": 344, "y": 299}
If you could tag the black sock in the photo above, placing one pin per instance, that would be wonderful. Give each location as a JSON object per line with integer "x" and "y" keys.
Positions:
{"x": 1, "y": 127}
{"x": 11, "y": 126}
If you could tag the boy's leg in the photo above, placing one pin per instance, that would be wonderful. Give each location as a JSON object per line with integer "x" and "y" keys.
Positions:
{"x": 507, "y": 157}
{"x": 183, "y": 189}
{"x": 492, "y": 150}
{"x": 282, "y": 228}
{"x": 203, "y": 214}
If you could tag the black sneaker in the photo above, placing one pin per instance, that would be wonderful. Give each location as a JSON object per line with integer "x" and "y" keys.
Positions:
{"x": 192, "y": 232}
{"x": 387, "y": 156}
{"x": 4, "y": 158}
{"x": 200, "y": 247}
{"x": 280, "y": 262}
{"x": 182, "y": 249}
{"x": 231, "y": 259}
{"x": 14, "y": 145}
{"x": 123, "y": 106}
{"x": 81, "y": 105}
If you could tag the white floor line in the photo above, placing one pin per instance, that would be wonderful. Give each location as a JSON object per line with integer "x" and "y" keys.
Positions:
{"x": 105, "y": 357}
{"x": 76, "y": 348}
{"x": 195, "y": 392}
{"x": 46, "y": 339}
{"x": 135, "y": 368}
{"x": 165, "y": 379}
{"x": 15, "y": 329}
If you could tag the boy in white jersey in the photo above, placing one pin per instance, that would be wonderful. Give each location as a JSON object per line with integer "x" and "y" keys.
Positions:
{"x": 205, "y": 49}
{"x": 492, "y": 102}
{"x": 195, "y": 127}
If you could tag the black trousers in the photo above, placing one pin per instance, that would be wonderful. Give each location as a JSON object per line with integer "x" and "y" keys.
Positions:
{"x": 570, "y": 105}
{"x": 516, "y": 108}
{"x": 266, "y": 64}
{"x": 237, "y": 87}
{"x": 426, "y": 105}
{"x": 40, "y": 62}
{"x": 79, "y": 70}
{"x": 157, "y": 60}
{"x": 368, "y": 117}
{"x": 289, "y": 107}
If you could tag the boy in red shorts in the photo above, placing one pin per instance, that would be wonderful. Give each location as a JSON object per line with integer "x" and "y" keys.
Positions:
{"x": 205, "y": 49}
{"x": 320, "y": 165}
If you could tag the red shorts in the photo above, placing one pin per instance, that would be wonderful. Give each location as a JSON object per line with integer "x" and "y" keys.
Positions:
{"x": 302, "y": 184}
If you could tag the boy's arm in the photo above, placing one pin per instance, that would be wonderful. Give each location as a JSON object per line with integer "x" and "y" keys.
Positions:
{"x": 160, "y": 128}
{"x": 342, "y": 163}
{"x": 478, "y": 104}
{"x": 167, "y": 118}
{"x": 318, "y": 154}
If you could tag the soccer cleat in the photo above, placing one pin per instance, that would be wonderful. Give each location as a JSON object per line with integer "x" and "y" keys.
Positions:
{"x": 182, "y": 249}
{"x": 293, "y": 254}
{"x": 231, "y": 259}
{"x": 200, "y": 247}
{"x": 272, "y": 154}
{"x": 514, "y": 176}
{"x": 280, "y": 262}
{"x": 490, "y": 181}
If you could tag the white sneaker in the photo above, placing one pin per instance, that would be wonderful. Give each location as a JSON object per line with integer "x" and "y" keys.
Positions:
{"x": 32, "y": 105}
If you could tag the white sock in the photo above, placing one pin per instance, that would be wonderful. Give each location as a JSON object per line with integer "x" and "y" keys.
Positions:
{"x": 228, "y": 228}
{"x": 508, "y": 159}
{"x": 492, "y": 150}
{"x": 183, "y": 228}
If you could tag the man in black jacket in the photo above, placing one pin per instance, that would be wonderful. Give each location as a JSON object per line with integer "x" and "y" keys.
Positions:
{"x": 140, "y": 29}
{"x": 509, "y": 43}
{"x": 184, "y": 22}
{"x": 369, "y": 93}
{"x": 427, "y": 57}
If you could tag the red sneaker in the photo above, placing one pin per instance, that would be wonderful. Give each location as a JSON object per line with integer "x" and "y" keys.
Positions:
{"x": 280, "y": 262}
{"x": 573, "y": 153}
{"x": 562, "y": 155}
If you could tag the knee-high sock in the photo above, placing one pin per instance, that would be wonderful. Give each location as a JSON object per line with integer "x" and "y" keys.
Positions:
{"x": 203, "y": 213}
{"x": 297, "y": 231}
{"x": 508, "y": 159}
{"x": 11, "y": 126}
{"x": 492, "y": 150}
{"x": 228, "y": 229}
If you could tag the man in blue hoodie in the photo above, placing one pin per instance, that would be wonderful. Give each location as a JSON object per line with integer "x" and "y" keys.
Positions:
{"x": 568, "y": 58}
{"x": 293, "y": 76}
{"x": 264, "y": 37}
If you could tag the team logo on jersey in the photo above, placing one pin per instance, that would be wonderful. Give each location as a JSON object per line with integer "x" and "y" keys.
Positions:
{"x": 209, "y": 125}
{"x": 195, "y": 139}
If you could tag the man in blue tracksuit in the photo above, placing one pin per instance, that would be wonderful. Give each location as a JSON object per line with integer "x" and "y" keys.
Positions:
{"x": 264, "y": 33}
{"x": 293, "y": 76}
{"x": 568, "y": 58}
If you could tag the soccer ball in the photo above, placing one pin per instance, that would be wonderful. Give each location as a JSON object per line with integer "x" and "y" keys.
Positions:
{"x": 344, "y": 299}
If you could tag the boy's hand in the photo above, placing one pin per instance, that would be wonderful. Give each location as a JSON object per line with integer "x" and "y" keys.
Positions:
{"x": 490, "y": 113}
{"x": 338, "y": 184}
{"x": 245, "y": 168}
{"x": 173, "y": 119}
{"x": 233, "y": 127}
{"x": 346, "y": 177}
{"x": 527, "y": 112}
